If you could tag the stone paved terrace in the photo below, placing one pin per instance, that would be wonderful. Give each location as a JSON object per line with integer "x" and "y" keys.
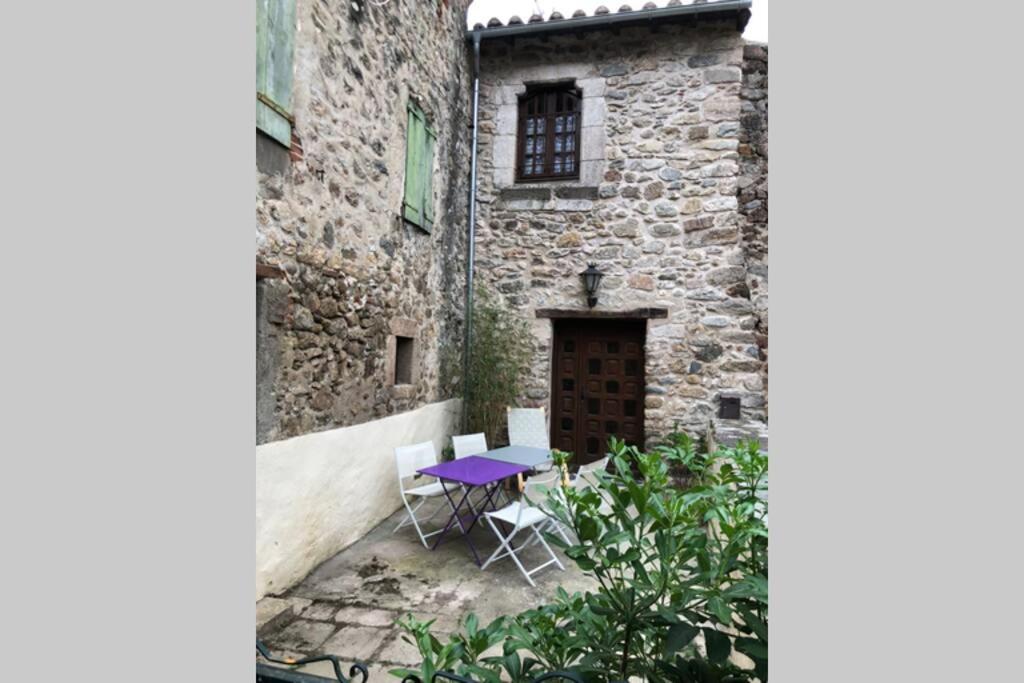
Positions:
{"x": 347, "y": 605}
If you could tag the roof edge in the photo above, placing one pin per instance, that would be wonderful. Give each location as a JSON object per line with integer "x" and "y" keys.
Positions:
{"x": 641, "y": 16}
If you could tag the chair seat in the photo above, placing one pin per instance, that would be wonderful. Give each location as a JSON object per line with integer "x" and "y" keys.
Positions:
{"x": 510, "y": 512}
{"x": 427, "y": 490}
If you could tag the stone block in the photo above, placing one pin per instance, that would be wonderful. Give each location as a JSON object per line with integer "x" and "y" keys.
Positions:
{"x": 504, "y": 151}
{"x": 724, "y": 74}
{"x": 506, "y": 120}
{"x": 302, "y": 636}
{"x": 356, "y": 643}
{"x": 591, "y": 87}
{"x": 594, "y": 112}
{"x": 721, "y": 109}
{"x": 365, "y": 616}
{"x": 592, "y": 143}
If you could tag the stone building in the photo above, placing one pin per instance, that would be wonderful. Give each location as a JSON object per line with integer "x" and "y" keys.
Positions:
{"x": 652, "y": 127}
{"x": 651, "y": 165}
{"x": 357, "y": 304}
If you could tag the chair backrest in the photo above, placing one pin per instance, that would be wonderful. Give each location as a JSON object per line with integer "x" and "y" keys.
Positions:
{"x": 536, "y": 487}
{"x": 528, "y": 427}
{"x": 586, "y": 475}
{"x": 411, "y": 458}
{"x": 469, "y": 444}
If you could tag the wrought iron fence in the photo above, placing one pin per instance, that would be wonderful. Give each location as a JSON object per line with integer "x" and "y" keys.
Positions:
{"x": 273, "y": 674}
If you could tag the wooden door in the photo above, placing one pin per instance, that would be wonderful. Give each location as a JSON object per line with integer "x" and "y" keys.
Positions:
{"x": 597, "y": 386}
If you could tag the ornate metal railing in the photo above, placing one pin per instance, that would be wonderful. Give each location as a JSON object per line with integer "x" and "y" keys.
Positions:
{"x": 273, "y": 674}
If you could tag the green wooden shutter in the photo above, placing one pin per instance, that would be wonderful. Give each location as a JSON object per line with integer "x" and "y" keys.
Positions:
{"x": 428, "y": 168}
{"x": 415, "y": 140}
{"x": 275, "y": 41}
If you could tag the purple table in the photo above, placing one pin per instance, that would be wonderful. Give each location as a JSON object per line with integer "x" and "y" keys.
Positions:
{"x": 471, "y": 472}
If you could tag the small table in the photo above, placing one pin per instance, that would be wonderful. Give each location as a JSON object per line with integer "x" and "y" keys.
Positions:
{"x": 471, "y": 472}
{"x": 520, "y": 455}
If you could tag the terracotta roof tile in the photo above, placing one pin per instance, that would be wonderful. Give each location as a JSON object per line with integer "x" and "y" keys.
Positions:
{"x": 603, "y": 10}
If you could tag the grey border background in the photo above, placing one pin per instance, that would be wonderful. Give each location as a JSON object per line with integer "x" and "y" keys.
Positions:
{"x": 128, "y": 354}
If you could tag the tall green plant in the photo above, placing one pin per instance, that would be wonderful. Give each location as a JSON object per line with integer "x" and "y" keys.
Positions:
{"x": 682, "y": 575}
{"x": 499, "y": 353}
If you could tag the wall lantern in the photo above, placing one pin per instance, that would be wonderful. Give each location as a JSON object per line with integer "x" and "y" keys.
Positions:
{"x": 591, "y": 279}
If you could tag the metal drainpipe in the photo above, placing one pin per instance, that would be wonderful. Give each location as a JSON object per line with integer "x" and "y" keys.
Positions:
{"x": 471, "y": 246}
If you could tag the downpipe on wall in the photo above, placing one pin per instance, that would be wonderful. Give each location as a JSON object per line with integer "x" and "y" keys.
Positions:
{"x": 471, "y": 242}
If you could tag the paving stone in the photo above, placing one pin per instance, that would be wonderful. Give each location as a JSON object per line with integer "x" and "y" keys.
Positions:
{"x": 356, "y": 643}
{"x": 363, "y": 616}
{"x": 320, "y": 611}
{"x": 397, "y": 651}
{"x": 302, "y": 635}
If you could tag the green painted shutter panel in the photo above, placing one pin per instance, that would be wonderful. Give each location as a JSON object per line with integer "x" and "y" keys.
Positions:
{"x": 428, "y": 179}
{"x": 275, "y": 42}
{"x": 414, "y": 180}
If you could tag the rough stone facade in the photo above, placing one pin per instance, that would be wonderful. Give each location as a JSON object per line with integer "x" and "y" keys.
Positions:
{"x": 670, "y": 120}
{"x": 753, "y": 186}
{"x": 355, "y": 274}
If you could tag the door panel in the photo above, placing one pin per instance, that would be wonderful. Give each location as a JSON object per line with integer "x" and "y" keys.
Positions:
{"x": 597, "y": 385}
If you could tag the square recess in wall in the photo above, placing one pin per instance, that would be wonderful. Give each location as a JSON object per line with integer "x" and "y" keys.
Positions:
{"x": 729, "y": 408}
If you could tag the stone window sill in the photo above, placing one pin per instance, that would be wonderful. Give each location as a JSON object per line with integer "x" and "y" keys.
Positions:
{"x": 548, "y": 196}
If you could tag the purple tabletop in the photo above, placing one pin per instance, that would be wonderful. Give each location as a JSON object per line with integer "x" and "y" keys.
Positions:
{"x": 474, "y": 470}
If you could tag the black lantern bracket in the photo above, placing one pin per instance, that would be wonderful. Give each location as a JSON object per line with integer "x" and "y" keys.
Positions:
{"x": 591, "y": 281}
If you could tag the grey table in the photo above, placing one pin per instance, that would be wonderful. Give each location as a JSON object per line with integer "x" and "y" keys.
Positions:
{"x": 520, "y": 455}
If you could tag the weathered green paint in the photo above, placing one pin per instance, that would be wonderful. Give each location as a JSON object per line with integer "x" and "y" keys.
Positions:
{"x": 418, "y": 205}
{"x": 428, "y": 174}
{"x": 275, "y": 42}
{"x": 414, "y": 180}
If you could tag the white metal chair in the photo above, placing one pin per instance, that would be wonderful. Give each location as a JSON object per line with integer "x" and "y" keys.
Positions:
{"x": 586, "y": 477}
{"x": 528, "y": 427}
{"x": 408, "y": 459}
{"x": 520, "y": 515}
{"x": 469, "y": 444}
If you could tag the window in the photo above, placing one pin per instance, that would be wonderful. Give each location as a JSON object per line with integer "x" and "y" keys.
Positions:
{"x": 549, "y": 134}
{"x": 403, "y": 360}
{"x": 418, "y": 206}
{"x": 275, "y": 39}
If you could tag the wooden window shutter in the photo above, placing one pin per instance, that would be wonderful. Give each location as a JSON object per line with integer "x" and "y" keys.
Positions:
{"x": 417, "y": 206}
{"x": 428, "y": 169}
{"x": 275, "y": 42}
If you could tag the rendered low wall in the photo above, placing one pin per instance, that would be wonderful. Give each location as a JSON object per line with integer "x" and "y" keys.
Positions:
{"x": 318, "y": 493}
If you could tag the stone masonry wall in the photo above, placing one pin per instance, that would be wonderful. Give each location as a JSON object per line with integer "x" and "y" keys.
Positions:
{"x": 753, "y": 187}
{"x": 355, "y": 273}
{"x": 656, "y": 208}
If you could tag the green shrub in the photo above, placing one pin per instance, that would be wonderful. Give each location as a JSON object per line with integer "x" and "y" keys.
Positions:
{"x": 672, "y": 564}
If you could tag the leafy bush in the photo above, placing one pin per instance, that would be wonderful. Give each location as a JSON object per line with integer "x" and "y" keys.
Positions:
{"x": 682, "y": 575}
{"x": 499, "y": 352}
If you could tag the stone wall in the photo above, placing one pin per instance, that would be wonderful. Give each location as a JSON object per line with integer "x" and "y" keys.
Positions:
{"x": 656, "y": 208}
{"x": 355, "y": 273}
{"x": 753, "y": 186}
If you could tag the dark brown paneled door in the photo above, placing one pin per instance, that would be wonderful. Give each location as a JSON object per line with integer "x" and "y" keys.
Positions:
{"x": 597, "y": 385}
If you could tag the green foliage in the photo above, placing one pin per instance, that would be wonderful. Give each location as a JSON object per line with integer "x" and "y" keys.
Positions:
{"x": 500, "y": 350}
{"x": 676, "y": 567}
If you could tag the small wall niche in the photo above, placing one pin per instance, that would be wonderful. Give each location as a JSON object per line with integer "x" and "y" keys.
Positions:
{"x": 404, "y": 348}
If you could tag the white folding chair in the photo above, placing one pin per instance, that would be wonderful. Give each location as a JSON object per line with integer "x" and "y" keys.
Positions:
{"x": 408, "y": 459}
{"x": 528, "y": 427}
{"x": 469, "y": 444}
{"x": 524, "y": 514}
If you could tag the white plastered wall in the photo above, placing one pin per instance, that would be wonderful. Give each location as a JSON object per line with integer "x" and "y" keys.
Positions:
{"x": 318, "y": 493}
